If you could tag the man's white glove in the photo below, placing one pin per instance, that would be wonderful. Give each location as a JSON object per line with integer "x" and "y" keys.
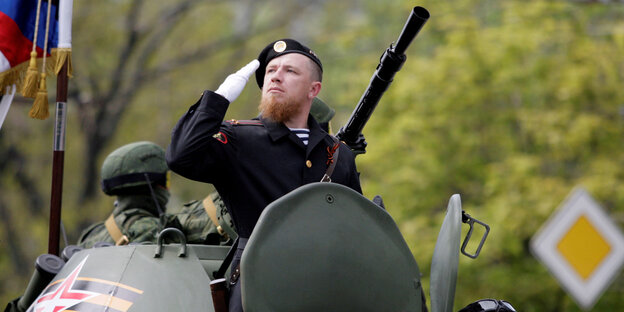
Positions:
{"x": 233, "y": 85}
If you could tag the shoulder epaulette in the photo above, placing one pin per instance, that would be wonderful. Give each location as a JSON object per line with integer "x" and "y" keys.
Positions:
{"x": 251, "y": 122}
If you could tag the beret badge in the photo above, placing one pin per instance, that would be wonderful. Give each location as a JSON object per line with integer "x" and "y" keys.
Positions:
{"x": 279, "y": 46}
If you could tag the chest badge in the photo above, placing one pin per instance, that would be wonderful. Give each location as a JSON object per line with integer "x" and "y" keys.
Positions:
{"x": 220, "y": 137}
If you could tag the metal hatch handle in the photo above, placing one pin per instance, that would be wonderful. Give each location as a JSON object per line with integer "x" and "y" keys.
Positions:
{"x": 159, "y": 242}
{"x": 466, "y": 218}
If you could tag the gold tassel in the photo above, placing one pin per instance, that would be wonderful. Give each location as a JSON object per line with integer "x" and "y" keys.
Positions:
{"x": 29, "y": 88}
{"x": 39, "y": 109}
{"x": 64, "y": 55}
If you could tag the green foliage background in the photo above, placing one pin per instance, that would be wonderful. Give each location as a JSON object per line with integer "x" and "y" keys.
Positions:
{"x": 510, "y": 104}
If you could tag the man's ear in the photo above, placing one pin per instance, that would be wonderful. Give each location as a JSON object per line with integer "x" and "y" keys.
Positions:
{"x": 315, "y": 88}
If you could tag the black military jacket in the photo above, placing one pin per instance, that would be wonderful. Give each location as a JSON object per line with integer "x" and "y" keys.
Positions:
{"x": 251, "y": 163}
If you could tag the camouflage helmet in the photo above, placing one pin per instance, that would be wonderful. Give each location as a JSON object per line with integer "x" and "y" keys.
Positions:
{"x": 322, "y": 112}
{"x": 133, "y": 165}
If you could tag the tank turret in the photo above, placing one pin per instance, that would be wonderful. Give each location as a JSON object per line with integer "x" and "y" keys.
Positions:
{"x": 321, "y": 247}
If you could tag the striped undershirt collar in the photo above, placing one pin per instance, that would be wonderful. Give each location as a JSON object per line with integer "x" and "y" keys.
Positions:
{"x": 302, "y": 133}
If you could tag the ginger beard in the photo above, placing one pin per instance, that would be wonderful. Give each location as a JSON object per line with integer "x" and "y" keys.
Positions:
{"x": 279, "y": 109}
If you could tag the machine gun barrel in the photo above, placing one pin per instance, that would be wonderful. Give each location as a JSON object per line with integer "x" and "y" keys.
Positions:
{"x": 390, "y": 63}
{"x": 46, "y": 267}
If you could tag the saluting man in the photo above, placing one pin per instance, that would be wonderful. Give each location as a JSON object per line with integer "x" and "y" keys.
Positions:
{"x": 251, "y": 163}
{"x": 208, "y": 221}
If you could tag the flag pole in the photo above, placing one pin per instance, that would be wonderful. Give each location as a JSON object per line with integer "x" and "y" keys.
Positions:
{"x": 63, "y": 72}
{"x": 58, "y": 160}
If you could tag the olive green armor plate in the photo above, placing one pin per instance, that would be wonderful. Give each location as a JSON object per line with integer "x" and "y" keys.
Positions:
{"x": 325, "y": 247}
{"x": 131, "y": 278}
{"x": 446, "y": 258}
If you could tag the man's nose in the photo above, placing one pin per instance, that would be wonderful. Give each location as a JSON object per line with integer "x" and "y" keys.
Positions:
{"x": 276, "y": 76}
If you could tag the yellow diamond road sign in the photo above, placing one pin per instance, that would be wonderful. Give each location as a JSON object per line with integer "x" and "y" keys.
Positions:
{"x": 581, "y": 247}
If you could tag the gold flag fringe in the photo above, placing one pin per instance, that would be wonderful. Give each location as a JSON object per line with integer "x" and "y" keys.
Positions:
{"x": 13, "y": 76}
{"x": 39, "y": 109}
{"x": 17, "y": 75}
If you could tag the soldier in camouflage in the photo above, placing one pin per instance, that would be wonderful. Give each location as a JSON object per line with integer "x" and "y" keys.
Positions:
{"x": 138, "y": 176}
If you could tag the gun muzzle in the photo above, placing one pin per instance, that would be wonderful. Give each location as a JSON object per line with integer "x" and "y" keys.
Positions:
{"x": 414, "y": 24}
{"x": 69, "y": 251}
{"x": 46, "y": 267}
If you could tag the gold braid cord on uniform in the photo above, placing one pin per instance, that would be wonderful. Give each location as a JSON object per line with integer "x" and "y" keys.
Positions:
{"x": 115, "y": 232}
{"x": 211, "y": 210}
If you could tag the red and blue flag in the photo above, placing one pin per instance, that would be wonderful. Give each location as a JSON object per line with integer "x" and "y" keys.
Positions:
{"x": 17, "y": 32}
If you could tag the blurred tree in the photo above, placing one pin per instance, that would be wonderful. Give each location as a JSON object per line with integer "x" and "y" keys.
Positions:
{"x": 510, "y": 104}
{"x": 518, "y": 103}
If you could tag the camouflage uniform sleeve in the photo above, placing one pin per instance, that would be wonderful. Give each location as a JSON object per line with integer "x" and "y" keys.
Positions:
{"x": 172, "y": 220}
{"x": 143, "y": 230}
{"x": 199, "y": 228}
{"x": 198, "y": 225}
{"x": 94, "y": 234}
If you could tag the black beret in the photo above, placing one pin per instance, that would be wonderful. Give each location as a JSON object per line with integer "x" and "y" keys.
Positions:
{"x": 279, "y": 48}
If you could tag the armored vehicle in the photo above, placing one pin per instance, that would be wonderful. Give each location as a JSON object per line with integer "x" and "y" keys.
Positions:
{"x": 322, "y": 247}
